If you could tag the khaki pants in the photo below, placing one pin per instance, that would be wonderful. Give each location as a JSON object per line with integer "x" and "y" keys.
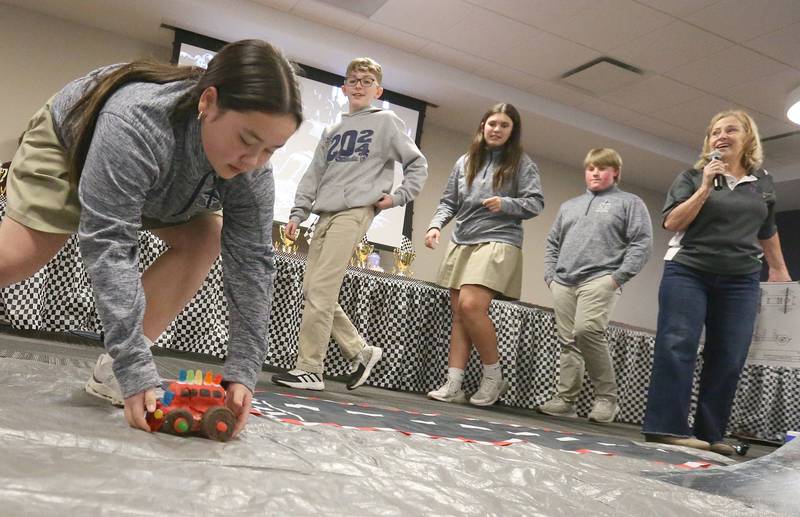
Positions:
{"x": 582, "y": 315}
{"x": 335, "y": 237}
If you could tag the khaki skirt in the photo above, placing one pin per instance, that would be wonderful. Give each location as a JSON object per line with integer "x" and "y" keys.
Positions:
{"x": 39, "y": 194}
{"x": 495, "y": 265}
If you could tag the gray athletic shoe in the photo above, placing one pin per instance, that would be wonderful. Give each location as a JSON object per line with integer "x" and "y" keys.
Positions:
{"x": 604, "y": 411}
{"x": 362, "y": 366}
{"x": 558, "y": 407}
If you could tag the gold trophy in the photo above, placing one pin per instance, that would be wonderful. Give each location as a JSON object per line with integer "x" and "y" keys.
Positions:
{"x": 363, "y": 249}
{"x": 288, "y": 245}
{"x": 402, "y": 262}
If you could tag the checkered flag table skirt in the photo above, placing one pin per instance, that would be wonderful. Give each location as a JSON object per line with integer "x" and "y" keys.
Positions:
{"x": 411, "y": 321}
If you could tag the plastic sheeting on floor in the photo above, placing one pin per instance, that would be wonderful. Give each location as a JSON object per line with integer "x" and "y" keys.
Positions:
{"x": 64, "y": 452}
{"x": 771, "y": 481}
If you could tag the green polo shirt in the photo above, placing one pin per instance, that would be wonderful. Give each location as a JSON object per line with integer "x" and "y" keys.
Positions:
{"x": 724, "y": 236}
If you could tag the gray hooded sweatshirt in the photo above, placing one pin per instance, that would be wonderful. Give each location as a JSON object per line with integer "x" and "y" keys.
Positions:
{"x": 141, "y": 164}
{"x": 596, "y": 234}
{"x": 521, "y": 198}
{"x": 353, "y": 165}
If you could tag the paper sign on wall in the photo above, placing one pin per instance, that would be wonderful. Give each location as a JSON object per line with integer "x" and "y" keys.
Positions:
{"x": 776, "y": 338}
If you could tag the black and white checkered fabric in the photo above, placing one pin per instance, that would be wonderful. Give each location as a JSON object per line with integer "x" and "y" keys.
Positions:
{"x": 410, "y": 320}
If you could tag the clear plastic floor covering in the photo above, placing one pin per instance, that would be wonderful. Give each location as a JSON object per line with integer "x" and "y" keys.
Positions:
{"x": 64, "y": 452}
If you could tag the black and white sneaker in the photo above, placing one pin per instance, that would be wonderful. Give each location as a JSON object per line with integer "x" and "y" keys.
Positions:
{"x": 299, "y": 379}
{"x": 362, "y": 366}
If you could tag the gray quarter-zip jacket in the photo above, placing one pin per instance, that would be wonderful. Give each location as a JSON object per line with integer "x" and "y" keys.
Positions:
{"x": 596, "y": 234}
{"x": 141, "y": 165}
{"x": 353, "y": 165}
{"x": 521, "y": 198}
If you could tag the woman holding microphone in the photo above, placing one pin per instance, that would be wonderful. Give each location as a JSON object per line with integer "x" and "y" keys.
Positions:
{"x": 711, "y": 280}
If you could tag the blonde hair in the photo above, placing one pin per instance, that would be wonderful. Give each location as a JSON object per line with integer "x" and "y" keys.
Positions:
{"x": 753, "y": 154}
{"x": 604, "y": 157}
{"x": 365, "y": 64}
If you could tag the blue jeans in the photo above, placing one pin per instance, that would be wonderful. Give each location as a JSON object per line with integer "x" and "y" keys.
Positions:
{"x": 688, "y": 299}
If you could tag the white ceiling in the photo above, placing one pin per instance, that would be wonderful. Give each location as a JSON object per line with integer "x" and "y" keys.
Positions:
{"x": 697, "y": 56}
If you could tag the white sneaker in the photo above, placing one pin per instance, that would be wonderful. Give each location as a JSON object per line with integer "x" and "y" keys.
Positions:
{"x": 103, "y": 383}
{"x": 449, "y": 392}
{"x": 362, "y": 366}
{"x": 489, "y": 391}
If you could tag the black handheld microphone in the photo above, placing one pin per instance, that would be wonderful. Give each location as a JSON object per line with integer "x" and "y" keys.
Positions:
{"x": 719, "y": 179}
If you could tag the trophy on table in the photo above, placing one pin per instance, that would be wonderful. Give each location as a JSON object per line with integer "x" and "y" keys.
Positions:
{"x": 374, "y": 262}
{"x": 4, "y": 177}
{"x": 403, "y": 257}
{"x": 287, "y": 245}
{"x": 363, "y": 249}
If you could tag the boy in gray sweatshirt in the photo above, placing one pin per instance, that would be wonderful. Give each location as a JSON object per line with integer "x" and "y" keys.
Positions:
{"x": 348, "y": 181}
{"x": 599, "y": 241}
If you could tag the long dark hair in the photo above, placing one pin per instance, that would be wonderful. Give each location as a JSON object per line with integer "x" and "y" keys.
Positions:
{"x": 249, "y": 75}
{"x": 512, "y": 149}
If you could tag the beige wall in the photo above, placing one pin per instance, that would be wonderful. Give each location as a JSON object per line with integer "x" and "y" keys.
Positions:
{"x": 638, "y": 305}
{"x": 40, "y": 54}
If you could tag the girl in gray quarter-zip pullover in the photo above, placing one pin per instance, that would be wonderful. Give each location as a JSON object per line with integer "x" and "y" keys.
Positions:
{"x": 490, "y": 191}
{"x": 147, "y": 145}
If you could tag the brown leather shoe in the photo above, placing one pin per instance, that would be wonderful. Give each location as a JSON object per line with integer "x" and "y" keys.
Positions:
{"x": 694, "y": 443}
{"x": 722, "y": 448}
